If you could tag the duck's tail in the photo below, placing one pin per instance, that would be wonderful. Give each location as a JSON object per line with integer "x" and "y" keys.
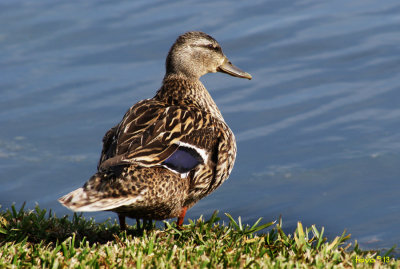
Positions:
{"x": 95, "y": 196}
{"x": 76, "y": 200}
{"x": 81, "y": 200}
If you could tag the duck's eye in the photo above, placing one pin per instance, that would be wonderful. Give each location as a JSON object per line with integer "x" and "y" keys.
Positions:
{"x": 211, "y": 47}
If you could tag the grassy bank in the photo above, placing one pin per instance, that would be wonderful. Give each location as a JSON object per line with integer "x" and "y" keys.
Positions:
{"x": 40, "y": 239}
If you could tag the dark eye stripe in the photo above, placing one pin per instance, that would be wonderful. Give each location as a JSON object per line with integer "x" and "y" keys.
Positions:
{"x": 211, "y": 47}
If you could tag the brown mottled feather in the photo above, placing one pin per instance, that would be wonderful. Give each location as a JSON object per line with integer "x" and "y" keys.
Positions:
{"x": 133, "y": 178}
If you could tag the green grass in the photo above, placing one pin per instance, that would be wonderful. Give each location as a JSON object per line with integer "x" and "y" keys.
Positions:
{"x": 41, "y": 240}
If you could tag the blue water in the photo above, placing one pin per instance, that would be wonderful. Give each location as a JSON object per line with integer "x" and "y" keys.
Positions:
{"x": 318, "y": 127}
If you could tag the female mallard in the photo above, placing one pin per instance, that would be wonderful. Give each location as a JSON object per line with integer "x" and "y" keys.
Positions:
{"x": 170, "y": 151}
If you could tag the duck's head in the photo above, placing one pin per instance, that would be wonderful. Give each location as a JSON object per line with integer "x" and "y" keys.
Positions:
{"x": 195, "y": 54}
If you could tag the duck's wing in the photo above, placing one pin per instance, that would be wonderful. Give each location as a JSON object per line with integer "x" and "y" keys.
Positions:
{"x": 109, "y": 145}
{"x": 152, "y": 133}
{"x": 184, "y": 140}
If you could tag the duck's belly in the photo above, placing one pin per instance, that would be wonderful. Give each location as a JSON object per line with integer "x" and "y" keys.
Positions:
{"x": 155, "y": 192}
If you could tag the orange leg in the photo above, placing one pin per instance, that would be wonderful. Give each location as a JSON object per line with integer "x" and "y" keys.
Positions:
{"x": 122, "y": 223}
{"x": 182, "y": 216}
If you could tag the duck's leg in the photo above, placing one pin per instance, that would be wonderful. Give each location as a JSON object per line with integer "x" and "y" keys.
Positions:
{"x": 138, "y": 224}
{"x": 122, "y": 223}
{"x": 149, "y": 224}
{"x": 182, "y": 216}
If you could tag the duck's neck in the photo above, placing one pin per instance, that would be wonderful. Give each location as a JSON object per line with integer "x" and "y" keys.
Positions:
{"x": 179, "y": 90}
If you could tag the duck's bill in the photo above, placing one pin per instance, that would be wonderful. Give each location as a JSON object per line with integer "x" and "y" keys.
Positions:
{"x": 232, "y": 70}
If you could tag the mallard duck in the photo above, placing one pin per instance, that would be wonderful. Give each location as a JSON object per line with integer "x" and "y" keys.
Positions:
{"x": 170, "y": 151}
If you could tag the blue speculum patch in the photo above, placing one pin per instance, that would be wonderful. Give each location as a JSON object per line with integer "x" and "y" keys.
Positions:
{"x": 183, "y": 160}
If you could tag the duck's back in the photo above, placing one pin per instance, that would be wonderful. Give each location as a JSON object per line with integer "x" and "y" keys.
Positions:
{"x": 176, "y": 134}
